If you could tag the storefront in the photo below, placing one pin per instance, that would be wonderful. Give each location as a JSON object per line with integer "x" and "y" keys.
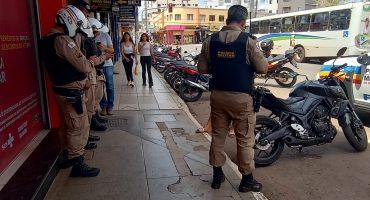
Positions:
{"x": 175, "y": 34}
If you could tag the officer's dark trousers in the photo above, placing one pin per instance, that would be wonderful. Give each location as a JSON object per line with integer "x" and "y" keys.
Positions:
{"x": 238, "y": 108}
{"x": 128, "y": 67}
{"x": 146, "y": 63}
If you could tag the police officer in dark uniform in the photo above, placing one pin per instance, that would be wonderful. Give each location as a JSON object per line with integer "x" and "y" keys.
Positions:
{"x": 232, "y": 57}
{"x": 68, "y": 68}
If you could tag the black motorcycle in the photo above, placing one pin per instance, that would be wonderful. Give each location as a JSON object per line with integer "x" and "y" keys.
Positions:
{"x": 304, "y": 119}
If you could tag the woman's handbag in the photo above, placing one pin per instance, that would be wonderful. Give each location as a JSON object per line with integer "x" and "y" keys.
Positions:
{"x": 136, "y": 70}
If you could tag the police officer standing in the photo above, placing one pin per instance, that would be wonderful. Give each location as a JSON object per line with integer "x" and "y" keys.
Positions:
{"x": 93, "y": 94}
{"x": 67, "y": 68}
{"x": 232, "y": 57}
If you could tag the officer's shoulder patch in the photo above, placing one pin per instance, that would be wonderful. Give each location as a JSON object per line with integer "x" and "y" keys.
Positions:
{"x": 78, "y": 53}
{"x": 71, "y": 45}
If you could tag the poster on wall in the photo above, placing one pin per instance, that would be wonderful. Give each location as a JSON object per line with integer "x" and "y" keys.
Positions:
{"x": 20, "y": 109}
{"x": 362, "y": 40}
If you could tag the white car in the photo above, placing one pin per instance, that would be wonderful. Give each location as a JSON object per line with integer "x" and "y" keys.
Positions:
{"x": 355, "y": 80}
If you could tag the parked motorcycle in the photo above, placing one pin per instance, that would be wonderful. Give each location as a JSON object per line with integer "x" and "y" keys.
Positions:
{"x": 284, "y": 76}
{"x": 304, "y": 119}
{"x": 194, "y": 86}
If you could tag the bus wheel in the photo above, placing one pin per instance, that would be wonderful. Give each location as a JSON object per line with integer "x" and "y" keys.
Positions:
{"x": 300, "y": 56}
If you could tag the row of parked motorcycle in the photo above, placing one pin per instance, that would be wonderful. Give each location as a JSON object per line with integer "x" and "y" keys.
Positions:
{"x": 180, "y": 71}
{"x": 302, "y": 120}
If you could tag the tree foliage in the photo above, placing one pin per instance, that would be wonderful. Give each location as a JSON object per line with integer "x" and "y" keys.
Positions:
{"x": 327, "y": 3}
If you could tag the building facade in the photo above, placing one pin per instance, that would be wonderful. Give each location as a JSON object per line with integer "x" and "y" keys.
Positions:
{"x": 287, "y": 6}
{"x": 188, "y": 25}
{"x": 225, "y": 4}
{"x": 150, "y": 9}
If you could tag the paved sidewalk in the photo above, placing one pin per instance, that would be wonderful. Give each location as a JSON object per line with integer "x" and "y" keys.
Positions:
{"x": 150, "y": 151}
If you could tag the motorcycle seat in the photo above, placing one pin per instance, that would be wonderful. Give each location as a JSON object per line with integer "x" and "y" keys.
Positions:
{"x": 271, "y": 60}
{"x": 291, "y": 100}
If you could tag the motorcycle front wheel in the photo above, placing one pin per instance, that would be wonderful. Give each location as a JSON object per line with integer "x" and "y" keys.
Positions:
{"x": 355, "y": 134}
{"x": 288, "y": 83}
{"x": 264, "y": 127}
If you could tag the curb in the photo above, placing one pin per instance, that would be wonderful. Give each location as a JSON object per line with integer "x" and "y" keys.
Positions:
{"x": 185, "y": 108}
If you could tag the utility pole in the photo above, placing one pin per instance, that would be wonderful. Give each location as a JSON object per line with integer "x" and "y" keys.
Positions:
{"x": 146, "y": 16}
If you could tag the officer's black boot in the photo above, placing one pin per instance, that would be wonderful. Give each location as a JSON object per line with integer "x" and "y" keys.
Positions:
{"x": 248, "y": 184}
{"x": 66, "y": 163}
{"x": 218, "y": 177}
{"x": 90, "y": 146}
{"x": 93, "y": 138}
{"x": 100, "y": 119}
{"x": 96, "y": 126}
{"x": 81, "y": 169}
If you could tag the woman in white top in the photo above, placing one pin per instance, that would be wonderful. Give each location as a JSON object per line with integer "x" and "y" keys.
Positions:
{"x": 146, "y": 55}
{"x": 128, "y": 54}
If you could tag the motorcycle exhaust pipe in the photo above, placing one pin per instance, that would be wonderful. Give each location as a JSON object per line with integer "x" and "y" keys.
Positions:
{"x": 196, "y": 85}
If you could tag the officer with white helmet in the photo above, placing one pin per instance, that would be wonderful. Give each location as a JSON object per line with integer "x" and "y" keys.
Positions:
{"x": 68, "y": 70}
{"x": 94, "y": 95}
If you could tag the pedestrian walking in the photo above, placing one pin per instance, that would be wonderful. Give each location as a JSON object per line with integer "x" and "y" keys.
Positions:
{"x": 232, "y": 57}
{"x": 128, "y": 53}
{"x": 146, "y": 58}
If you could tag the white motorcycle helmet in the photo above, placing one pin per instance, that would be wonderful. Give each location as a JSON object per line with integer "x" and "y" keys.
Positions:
{"x": 96, "y": 25}
{"x": 72, "y": 19}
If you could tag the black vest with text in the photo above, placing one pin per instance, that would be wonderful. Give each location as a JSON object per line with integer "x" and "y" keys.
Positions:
{"x": 229, "y": 69}
{"x": 60, "y": 71}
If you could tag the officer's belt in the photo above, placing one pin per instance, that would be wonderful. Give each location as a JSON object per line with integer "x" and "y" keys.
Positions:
{"x": 67, "y": 92}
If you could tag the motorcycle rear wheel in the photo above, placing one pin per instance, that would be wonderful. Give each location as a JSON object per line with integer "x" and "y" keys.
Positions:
{"x": 356, "y": 137}
{"x": 284, "y": 84}
{"x": 184, "y": 88}
{"x": 278, "y": 147}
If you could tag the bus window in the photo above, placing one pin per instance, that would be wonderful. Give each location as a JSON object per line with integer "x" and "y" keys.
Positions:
{"x": 275, "y": 25}
{"x": 319, "y": 21}
{"x": 246, "y": 29}
{"x": 339, "y": 20}
{"x": 264, "y": 26}
{"x": 302, "y": 23}
{"x": 255, "y": 27}
{"x": 287, "y": 25}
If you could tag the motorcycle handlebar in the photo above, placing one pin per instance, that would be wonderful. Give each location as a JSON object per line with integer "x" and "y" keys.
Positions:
{"x": 336, "y": 69}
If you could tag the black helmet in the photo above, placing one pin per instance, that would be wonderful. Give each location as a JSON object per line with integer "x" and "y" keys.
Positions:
{"x": 267, "y": 45}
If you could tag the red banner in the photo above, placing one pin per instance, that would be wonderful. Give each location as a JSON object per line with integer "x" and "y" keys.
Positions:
{"x": 20, "y": 109}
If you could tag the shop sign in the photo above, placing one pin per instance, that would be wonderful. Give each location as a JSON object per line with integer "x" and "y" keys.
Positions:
{"x": 101, "y": 5}
{"x": 20, "y": 109}
{"x": 126, "y": 13}
{"x": 214, "y": 28}
{"x": 128, "y": 2}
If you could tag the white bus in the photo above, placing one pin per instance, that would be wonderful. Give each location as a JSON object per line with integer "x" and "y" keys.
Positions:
{"x": 317, "y": 33}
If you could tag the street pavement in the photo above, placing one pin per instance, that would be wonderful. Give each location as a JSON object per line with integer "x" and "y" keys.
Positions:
{"x": 331, "y": 172}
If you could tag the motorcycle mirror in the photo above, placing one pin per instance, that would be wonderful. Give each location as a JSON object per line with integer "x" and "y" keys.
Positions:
{"x": 363, "y": 59}
{"x": 341, "y": 51}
